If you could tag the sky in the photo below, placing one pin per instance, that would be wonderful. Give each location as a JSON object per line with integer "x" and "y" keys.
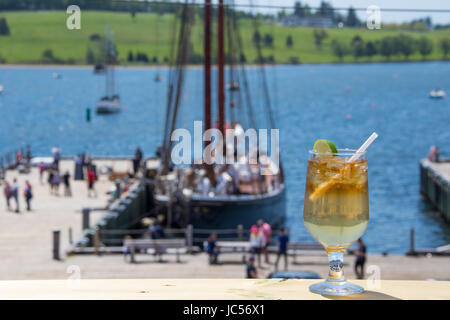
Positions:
{"x": 386, "y": 17}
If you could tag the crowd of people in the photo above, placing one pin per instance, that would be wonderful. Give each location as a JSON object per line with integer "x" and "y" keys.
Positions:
{"x": 252, "y": 173}
{"x": 260, "y": 239}
{"x": 54, "y": 175}
{"x": 11, "y": 192}
{"x": 54, "y": 179}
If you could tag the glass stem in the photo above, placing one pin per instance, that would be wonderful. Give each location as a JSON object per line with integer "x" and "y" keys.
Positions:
{"x": 336, "y": 272}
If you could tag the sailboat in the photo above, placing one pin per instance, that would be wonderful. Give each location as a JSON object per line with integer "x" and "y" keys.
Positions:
{"x": 110, "y": 103}
{"x": 216, "y": 195}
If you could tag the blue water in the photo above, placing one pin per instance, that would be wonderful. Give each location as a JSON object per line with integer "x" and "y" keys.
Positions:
{"x": 343, "y": 103}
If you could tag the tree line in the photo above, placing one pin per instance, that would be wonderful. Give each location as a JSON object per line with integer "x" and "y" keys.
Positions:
{"x": 325, "y": 10}
{"x": 401, "y": 45}
{"x": 107, "y": 5}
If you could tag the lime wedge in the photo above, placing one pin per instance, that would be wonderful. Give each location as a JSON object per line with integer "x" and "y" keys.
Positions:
{"x": 324, "y": 146}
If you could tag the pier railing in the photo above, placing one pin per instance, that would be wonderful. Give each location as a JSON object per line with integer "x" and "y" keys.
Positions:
{"x": 111, "y": 241}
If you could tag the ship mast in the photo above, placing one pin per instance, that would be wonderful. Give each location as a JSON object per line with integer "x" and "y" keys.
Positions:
{"x": 107, "y": 82}
{"x": 207, "y": 65}
{"x": 221, "y": 73}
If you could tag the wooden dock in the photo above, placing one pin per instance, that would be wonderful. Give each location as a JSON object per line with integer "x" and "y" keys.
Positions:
{"x": 214, "y": 289}
{"x": 435, "y": 185}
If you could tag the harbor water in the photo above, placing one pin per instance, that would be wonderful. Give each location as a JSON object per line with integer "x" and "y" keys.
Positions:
{"x": 342, "y": 103}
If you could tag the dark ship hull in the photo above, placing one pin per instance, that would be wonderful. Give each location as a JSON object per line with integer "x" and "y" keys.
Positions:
{"x": 225, "y": 212}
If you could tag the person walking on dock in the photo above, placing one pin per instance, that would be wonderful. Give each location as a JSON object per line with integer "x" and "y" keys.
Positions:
{"x": 257, "y": 242}
{"x": 360, "y": 254}
{"x": 41, "y": 171}
{"x": 18, "y": 158}
{"x": 7, "y": 193}
{"x": 283, "y": 240}
{"x": 56, "y": 182}
{"x": 126, "y": 250}
{"x": 266, "y": 230}
{"x": 56, "y": 152}
{"x": 137, "y": 160}
{"x": 66, "y": 180}
{"x": 433, "y": 156}
{"x": 91, "y": 181}
{"x": 51, "y": 173}
{"x": 15, "y": 194}
{"x": 212, "y": 249}
{"x": 28, "y": 193}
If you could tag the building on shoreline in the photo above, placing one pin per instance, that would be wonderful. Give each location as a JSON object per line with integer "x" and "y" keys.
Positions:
{"x": 310, "y": 21}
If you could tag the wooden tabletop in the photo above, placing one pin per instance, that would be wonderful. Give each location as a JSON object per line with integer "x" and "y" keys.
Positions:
{"x": 209, "y": 289}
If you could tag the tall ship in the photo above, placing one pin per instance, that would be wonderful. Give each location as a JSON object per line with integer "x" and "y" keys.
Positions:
{"x": 208, "y": 193}
{"x": 110, "y": 102}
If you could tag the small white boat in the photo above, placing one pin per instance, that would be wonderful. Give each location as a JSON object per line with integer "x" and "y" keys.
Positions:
{"x": 437, "y": 94}
{"x": 57, "y": 75}
{"x": 1, "y": 88}
{"x": 233, "y": 86}
{"x": 108, "y": 105}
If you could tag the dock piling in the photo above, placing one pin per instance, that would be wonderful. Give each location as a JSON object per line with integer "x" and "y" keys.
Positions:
{"x": 411, "y": 241}
{"x": 56, "y": 243}
{"x": 97, "y": 241}
{"x": 189, "y": 237}
{"x": 70, "y": 236}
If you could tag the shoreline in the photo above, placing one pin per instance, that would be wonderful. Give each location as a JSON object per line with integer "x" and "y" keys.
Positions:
{"x": 199, "y": 66}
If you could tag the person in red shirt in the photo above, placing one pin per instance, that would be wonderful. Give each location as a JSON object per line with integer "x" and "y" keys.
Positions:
{"x": 91, "y": 176}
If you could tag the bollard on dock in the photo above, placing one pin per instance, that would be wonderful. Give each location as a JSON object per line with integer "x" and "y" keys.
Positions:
{"x": 85, "y": 221}
{"x": 70, "y": 236}
{"x": 411, "y": 241}
{"x": 97, "y": 241}
{"x": 56, "y": 243}
{"x": 189, "y": 237}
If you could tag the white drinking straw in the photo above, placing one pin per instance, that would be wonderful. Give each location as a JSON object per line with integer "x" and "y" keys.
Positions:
{"x": 363, "y": 148}
{"x": 324, "y": 186}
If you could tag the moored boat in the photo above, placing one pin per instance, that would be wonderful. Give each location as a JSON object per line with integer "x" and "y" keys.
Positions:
{"x": 437, "y": 94}
{"x": 110, "y": 102}
{"x": 220, "y": 195}
{"x": 108, "y": 105}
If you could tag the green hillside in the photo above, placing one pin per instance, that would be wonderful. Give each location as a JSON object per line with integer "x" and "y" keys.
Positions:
{"x": 31, "y": 33}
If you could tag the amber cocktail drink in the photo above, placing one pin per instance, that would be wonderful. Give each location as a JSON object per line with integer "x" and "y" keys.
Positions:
{"x": 336, "y": 211}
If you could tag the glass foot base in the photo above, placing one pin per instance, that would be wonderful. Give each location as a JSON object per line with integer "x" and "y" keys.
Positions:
{"x": 330, "y": 289}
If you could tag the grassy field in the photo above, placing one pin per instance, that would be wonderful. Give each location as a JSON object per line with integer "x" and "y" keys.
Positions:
{"x": 34, "y": 32}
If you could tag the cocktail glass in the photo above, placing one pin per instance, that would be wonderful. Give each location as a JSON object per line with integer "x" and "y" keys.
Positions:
{"x": 336, "y": 211}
